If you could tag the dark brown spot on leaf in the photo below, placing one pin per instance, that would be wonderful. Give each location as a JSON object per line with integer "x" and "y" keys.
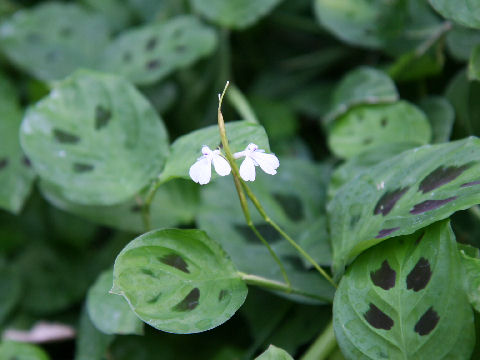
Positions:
{"x": 136, "y": 208}
{"x": 388, "y": 200}
{"x": 222, "y": 294}
{"x": 378, "y": 319}
{"x": 26, "y": 161}
{"x": 420, "y": 275}
{"x": 190, "y": 302}
{"x": 102, "y": 117}
{"x": 385, "y": 232}
{"x": 471, "y": 183}
{"x": 151, "y": 44}
{"x": 429, "y": 205}
{"x": 383, "y": 122}
{"x": 384, "y": 277}
{"x": 153, "y": 64}
{"x": 441, "y": 176}
{"x": 82, "y": 168}
{"x": 291, "y": 205}
{"x": 176, "y": 261}
{"x": 65, "y": 137}
{"x": 427, "y": 322}
{"x": 3, "y": 163}
{"x": 269, "y": 233}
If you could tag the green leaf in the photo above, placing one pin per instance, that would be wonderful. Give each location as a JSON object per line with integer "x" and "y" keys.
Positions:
{"x": 96, "y": 137}
{"x": 110, "y": 313}
{"x": 403, "y": 299}
{"x": 187, "y": 148}
{"x": 403, "y": 194}
{"x": 234, "y": 14}
{"x": 472, "y": 278}
{"x": 178, "y": 281}
{"x": 461, "y": 41}
{"x": 361, "y": 86}
{"x": 16, "y": 177}
{"x": 10, "y": 290}
{"x": 91, "y": 344}
{"x": 464, "y": 12}
{"x": 474, "y": 64}
{"x": 71, "y": 40}
{"x": 179, "y": 196}
{"x": 148, "y": 54}
{"x": 441, "y": 115}
{"x": 21, "y": 351}
{"x": 116, "y": 12}
{"x": 366, "y": 127}
{"x": 274, "y": 353}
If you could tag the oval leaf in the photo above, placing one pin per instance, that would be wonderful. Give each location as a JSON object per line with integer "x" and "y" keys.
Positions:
{"x": 441, "y": 116}
{"x": 96, "y": 137}
{"x": 178, "y": 281}
{"x": 464, "y": 12}
{"x": 21, "y": 351}
{"x": 150, "y": 53}
{"x": 403, "y": 194}
{"x": 403, "y": 299}
{"x": 274, "y": 353}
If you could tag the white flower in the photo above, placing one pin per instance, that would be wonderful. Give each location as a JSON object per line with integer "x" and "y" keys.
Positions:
{"x": 256, "y": 157}
{"x": 201, "y": 171}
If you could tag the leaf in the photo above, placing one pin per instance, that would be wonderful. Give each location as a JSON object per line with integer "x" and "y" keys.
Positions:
{"x": 10, "y": 290}
{"x": 179, "y": 196}
{"x": 363, "y": 85}
{"x": 116, "y": 12}
{"x": 21, "y": 351}
{"x": 474, "y": 64}
{"x": 234, "y": 14}
{"x": 441, "y": 115}
{"x": 178, "y": 281}
{"x": 461, "y": 41}
{"x": 464, "y": 12}
{"x": 91, "y": 344}
{"x": 274, "y": 353}
{"x": 365, "y": 127}
{"x": 108, "y": 312}
{"x": 95, "y": 137}
{"x": 71, "y": 40}
{"x": 187, "y": 148}
{"x": 150, "y": 53}
{"x": 471, "y": 266}
{"x": 403, "y": 194}
{"x": 16, "y": 176}
{"x": 403, "y": 300}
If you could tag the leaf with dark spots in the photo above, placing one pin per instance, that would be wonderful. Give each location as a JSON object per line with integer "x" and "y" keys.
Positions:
{"x": 151, "y": 44}
{"x": 269, "y": 233}
{"x": 223, "y": 293}
{"x": 153, "y": 64}
{"x": 147, "y": 272}
{"x": 384, "y": 277}
{"x": 291, "y": 205}
{"x": 441, "y": 176}
{"x": 378, "y": 319}
{"x": 384, "y": 122}
{"x": 102, "y": 117}
{"x": 429, "y": 205}
{"x": 26, "y": 161}
{"x": 190, "y": 301}
{"x": 471, "y": 183}
{"x": 388, "y": 200}
{"x": 82, "y": 168}
{"x": 3, "y": 163}
{"x": 427, "y": 322}
{"x": 385, "y": 232}
{"x": 420, "y": 275}
{"x": 65, "y": 137}
{"x": 175, "y": 261}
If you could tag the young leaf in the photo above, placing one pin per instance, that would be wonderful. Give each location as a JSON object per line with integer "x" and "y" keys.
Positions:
{"x": 403, "y": 194}
{"x": 148, "y": 54}
{"x": 274, "y": 353}
{"x": 91, "y": 344}
{"x": 96, "y": 137}
{"x": 361, "y": 86}
{"x": 472, "y": 280}
{"x": 404, "y": 299}
{"x": 16, "y": 176}
{"x": 178, "y": 281}
{"x": 21, "y": 351}
{"x": 53, "y": 39}
{"x": 441, "y": 115}
{"x": 366, "y": 127}
{"x": 187, "y": 148}
{"x": 464, "y": 12}
{"x": 110, "y": 313}
{"x": 234, "y": 14}
{"x": 461, "y": 41}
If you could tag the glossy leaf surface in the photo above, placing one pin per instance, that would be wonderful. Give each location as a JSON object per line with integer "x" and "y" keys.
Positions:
{"x": 464, "y": 12}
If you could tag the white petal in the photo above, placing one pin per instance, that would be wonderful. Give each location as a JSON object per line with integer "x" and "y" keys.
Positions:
{"x": 222, "y": 167}
{"x": 247, "y": 169}
{"x": 267, "y": 162}
{"x": 201, "y": 171}
{"x": 238, "y": 155}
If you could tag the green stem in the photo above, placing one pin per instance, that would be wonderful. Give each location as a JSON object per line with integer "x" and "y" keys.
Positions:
{"x": 240, "y": 103}
{"x": 146, "y": 217}
{"x": 262, "y": 212}
{"x": 323, "y": 345}
{"x": 238, "y": 187}
{"x": 275, "y": 285}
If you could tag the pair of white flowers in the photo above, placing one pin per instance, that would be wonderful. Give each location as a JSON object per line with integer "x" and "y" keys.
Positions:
{"x": 201, "y": 171}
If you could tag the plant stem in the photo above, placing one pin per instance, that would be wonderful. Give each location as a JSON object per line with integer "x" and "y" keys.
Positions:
{"x": 146, "y": 218}
{"x": 240, "y": 103}
{"x": 275, "y": 285}
{"x": 238, "y": 187}
{"x": 323, "y": 345}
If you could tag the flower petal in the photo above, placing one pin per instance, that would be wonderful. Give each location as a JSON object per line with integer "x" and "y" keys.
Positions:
{"x": 201, "y": 171}
{"x": 247, "y": 169}
{"x": 239, "y": 154}
{"x": 222, "y": 167}
{"x": 267, "y": 162}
